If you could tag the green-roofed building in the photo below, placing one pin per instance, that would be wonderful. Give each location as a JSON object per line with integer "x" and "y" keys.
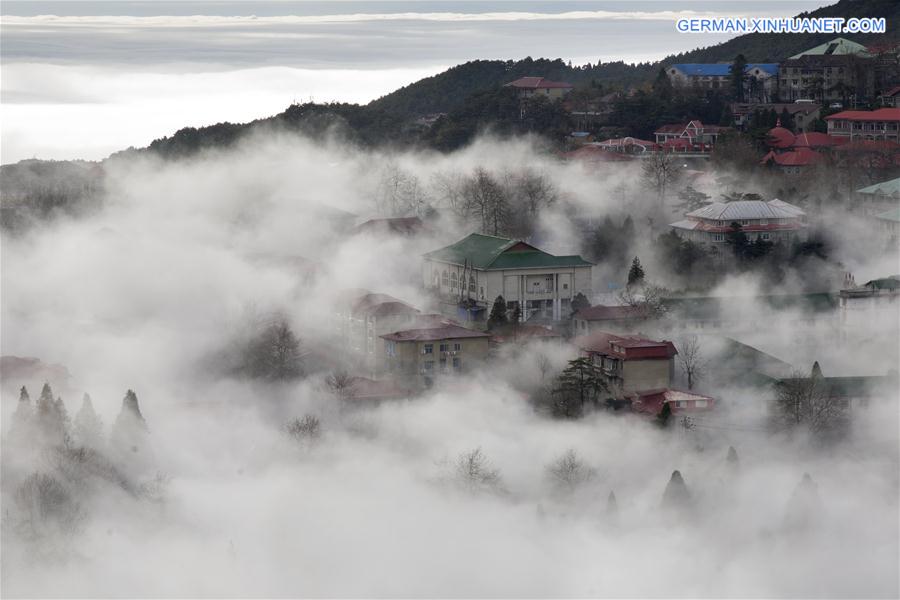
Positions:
{"x": 879, "y": 198}
{"x": 474, "y": 271}
{"x": 835, "y": 47}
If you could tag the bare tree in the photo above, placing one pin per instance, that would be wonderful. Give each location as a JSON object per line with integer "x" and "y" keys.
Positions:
{"x": 691, "y": 359}
{"x": 568, "y": 472}
{"x": 399, "y": 192}
{"x": 473, "y": 472}
{"x": 487, "y": 201}
{"x": 305, "y": 430}
{"x": 808, "y": 401}
{"x": 660, "y": 170}
{"x": 341, "y": 385}
{"x": 649, "y": 299}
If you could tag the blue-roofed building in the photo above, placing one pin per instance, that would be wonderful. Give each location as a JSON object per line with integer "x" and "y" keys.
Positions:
{"x": 760, "y": 85}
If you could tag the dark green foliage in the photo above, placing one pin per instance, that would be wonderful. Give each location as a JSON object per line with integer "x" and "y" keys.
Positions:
{"x": 51, "y": 418}
{"x": 636, "y": 272}
{"x": 516, "y": 314}
{"x": 676, "y": 495}
{"x": 738, "y": 77}
{"x": 580, "y": 302}
{"x": 497, "y": 317}
{"x": 664, "y": 417}
{"x": 580, "y": 383}
{"x": 691, "y": 200}
{"x": 694, "y": 263}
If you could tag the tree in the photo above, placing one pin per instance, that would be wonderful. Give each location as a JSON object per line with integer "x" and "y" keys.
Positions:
{"x": 485, "y": 199}
{"x": 738, "y": 241}
{"x": 579, "y": 383}
{"x": 50, "y": 418}
{"x": 580, "y": 302}
{"x": 738, "y": 77}
{"x": 636, "y": 272}
{"x": 47, "y": 507}
{"x": 88, "y": 428}
{"x": 341, "y": 385}
{"x": 497, "y": 318}
{"x": 516, "y": 315}
{"x": 690, "y": 357}
{"x": 662, "y": 86}
{"x": 305, "y": 430}
{"x": 809, "y": 402}
{"x": 273, "y": 353}
{"x": 649, "y": 299}
{"x": 473, "y": 472}
{"x": 660, "y": 170}
{"x": 691, "y": 200}
{"x": 664, "y": 416}
{"x": 129, "y": 437}
{"x": 23, "y": 417}
{"x": 568, "y": 472}
{"x": 676, "y": 495}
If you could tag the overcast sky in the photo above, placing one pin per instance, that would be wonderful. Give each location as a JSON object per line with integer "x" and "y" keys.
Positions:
{"x": 83, "y": 79}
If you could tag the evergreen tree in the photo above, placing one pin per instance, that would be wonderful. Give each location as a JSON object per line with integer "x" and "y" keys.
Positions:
{"x": 665, "y": 414}
{"x": 636, "y": 273}
{"x": 88, "y": 428}
{"x": 732, "y": 458}
{"x": 50, "y": 418}
{"x": 612, "y": 506}
{"x": 579, "y": 302}
{"x": 738, "y": 241}
{"x": 516, "y": 314}
{"x": 676, "y": 495}
{"x": 691, "y": 200}
{"x": 580, "y": 383}
{"x": 738, "y": 77}
{"x": 129, "y": 438}
{"x": 497, "y": 317}
{"x": 21, "y": 419}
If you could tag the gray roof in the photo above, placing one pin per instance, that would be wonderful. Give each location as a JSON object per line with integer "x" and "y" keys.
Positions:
{"x": 747, "y": 209}
{"x": 685, "y": 224}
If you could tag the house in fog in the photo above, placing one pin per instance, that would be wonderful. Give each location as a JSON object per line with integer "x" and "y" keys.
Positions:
{"x": 415, "y": 357}
{"x": 528, "y": 87}
{"x": 770, "y": 221}
{"x": 876, "y": 301}
{"x": 615, "y": 319}
{"x": 469, "y": 275}
{"x": 630, "y": 363}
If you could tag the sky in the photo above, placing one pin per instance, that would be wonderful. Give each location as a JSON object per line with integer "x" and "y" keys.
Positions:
{"x": 82, "y": 79}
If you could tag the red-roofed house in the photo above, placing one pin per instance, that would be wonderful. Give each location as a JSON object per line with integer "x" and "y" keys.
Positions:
{"x": 417, "y": 356}
{"x": 651, "y": 402}
{"x": 881, "y": 124}
{"x": 630, "y": 363}
{"x": 693, "y": 136}
{"x": 794, "y": 162}
{"x": 538, "y": 86}
{"x": 607, "y": 318}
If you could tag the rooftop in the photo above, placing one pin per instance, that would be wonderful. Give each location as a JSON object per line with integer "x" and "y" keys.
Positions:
{"x": 609, "y": 313}
{"x": 835, "y": 47}
{"x": 488, "y": 252}
{"x": 890, "y": 215}
{"x": 430, "y": 334}
{"x": 535, "y": 83}
{"x": 882, "y": 114}
{"x": 748, "y": 210}
{"x": 625, "y": 346}
{"x": 883, "y": 188}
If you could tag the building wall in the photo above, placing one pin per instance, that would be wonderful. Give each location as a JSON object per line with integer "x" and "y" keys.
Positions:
{"x": 408, "y": 361}
{"x": 648, "y": 374}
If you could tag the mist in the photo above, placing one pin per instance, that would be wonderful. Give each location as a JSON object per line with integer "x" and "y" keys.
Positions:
{"x": 151, "y": 290}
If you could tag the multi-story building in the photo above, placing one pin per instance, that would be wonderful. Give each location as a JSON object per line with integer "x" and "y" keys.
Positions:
{"x": 802, "y": 113}
{"x": 416, "y": 356}
{"x": 630, "y": 363}
{"x": 469, "y": 275}
{"x": 771, "y": 221}
{"x": 693, "y": 135}
{"x": 608, "y": 318}
{"x": 839, "y": 70}
{"x": 881, "y": 124}
{"x": 878, "y": 198}
{"x": 760, "y": 83}
{"x": 527, "y": 87}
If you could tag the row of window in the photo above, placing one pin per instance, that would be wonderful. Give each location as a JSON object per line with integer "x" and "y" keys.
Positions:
{"x": 428, "y": 365}
{"x": 453, "y": 282}
{"x": 429, "y": 348}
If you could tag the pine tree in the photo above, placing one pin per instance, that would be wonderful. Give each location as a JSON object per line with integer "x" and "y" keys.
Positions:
{"x": 732, "y": 458}
{"x": 128, "y": 439}
{"x": 497, "y": 317}
{"x": 636, "y": 273}
{"x": 88, "y": 428}
{"x": 676, "y": 495}
{"x": 516, "y": 314}
{"x": 50, "y": 418}
{"x": 24, "y": 413}
{"x": 580, "y": 383}
{"x": 580, "y": 302}
{"x": 612, "y": 506}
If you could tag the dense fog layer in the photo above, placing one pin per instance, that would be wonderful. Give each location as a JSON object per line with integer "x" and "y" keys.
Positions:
{"x": 151, "y": 293}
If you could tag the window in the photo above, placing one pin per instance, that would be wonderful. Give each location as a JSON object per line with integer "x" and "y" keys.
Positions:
{"x": 763, "y": 221}
{"x": 428, "y": 349}
{"x": 444, "y": 279}
{"x": 700, "y": 404}
{"x": 445, "y": 347}
{"x": 443, "y": 364}
{"x": 457, "y": 347}
{"x": 471, "y": 283}
{"x": 453, "y": 281}
{"x": 565, "y": 286}
{"x": 390, "y": 348}
{"x": 765, "y": 236}
{"x": 428, "y": 366}
{"x": 456, "y": 363}
{"x": 717, "y": 237}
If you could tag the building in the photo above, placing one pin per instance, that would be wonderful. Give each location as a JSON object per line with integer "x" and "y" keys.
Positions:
{"x": 839, "y": 70}
{"x": 396, "y": 226}
{"x": 878, "y": 198}
{"x": 469, "y": 275}
{"x": 760, "y": 85}
{"x": 692, "y": 136}
{"x": 417, "y": 356}
{"x": 877, "y": 301}
{"x": 890, "y": 98}
{"x": 771, "y": 221}
{"x": 881, "y": 124}
{"x": 794, "y": 162}
{"x": 607, "y": 318}
{"x": 521, "y": 335}
{"x": 528, "y": 87}
{"x": 630, "y": 363}
{"x": 889, "y": 228}
{"x": 802, "y": 113}
{"x": 651, "y": 402}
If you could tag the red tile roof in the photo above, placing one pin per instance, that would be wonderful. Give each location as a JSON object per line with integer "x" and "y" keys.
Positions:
{"x": 779, "y": 137}
{"x": 800, "y": 157}
{"x": 814, "y": 140}
{"x": 538, "y": 83}
{"x": 625, "y": 346}
{"x": 652, "y": 401}
{"x": 882, "y": 114}
{"x": 429, "y": 334}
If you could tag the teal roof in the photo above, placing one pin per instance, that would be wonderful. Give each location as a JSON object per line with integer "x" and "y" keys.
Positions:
{"x": 884, "y": 188}
{"x": 835, "y": 46}
{"x": 488, "y": 252}
{"x": 890, "y": 215}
